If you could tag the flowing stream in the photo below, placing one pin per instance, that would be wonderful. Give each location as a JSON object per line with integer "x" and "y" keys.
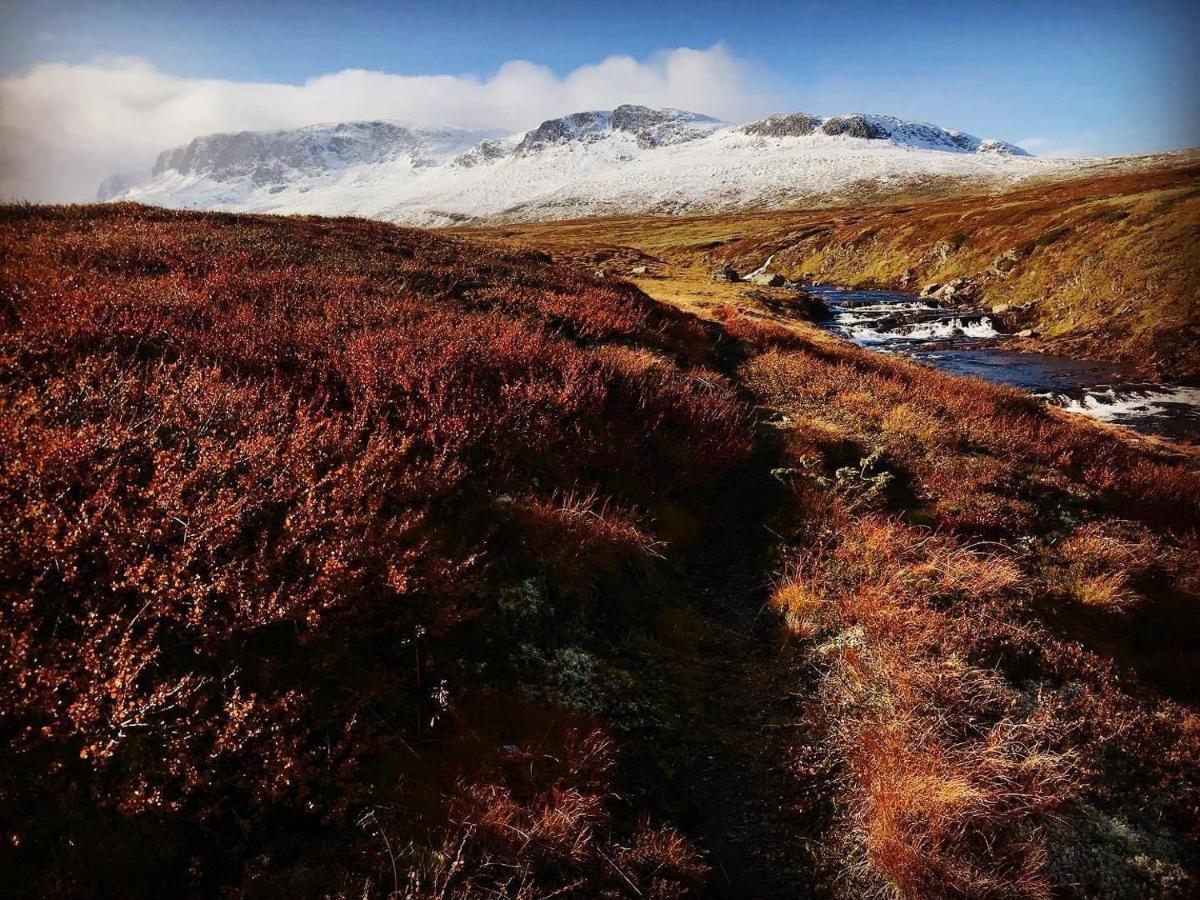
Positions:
{"x": 965, "y": 342}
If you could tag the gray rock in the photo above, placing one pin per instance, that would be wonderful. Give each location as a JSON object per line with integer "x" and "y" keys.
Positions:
{"x": 810, "y": 305}
{"x": 854, "y": 126}
{"x": 957, "y": 290}
{"x": 651, "y": 127}
{"x": 658, "y": 127}
{"x": 640, "y": 270}
{"x": 1000, "y": 309}
{"x": 930, "y": 289}
{"x": 943, "y": 250}
{"x": 726, "y": 273}
{"x": 789, "y": 125}
{"x": 768, "y": 279}
{"x": 1004, "y": 264}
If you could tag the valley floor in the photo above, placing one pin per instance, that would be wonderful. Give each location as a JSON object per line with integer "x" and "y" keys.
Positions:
{"x": 1103, "y": 265}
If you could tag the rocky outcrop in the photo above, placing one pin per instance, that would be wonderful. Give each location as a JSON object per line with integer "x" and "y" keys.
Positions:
{"x": 275, "y": 157}
{"x": 767, "y": 279}
{"x": 943, "y": 250}
{"x": 786, "y": 125}
{"x": 659, "y": 127}
{"x": 483, "y": 152}
{"x": 650, "y": 127}
{"x": 581, "y": 126}
{"x": 1004, "y": 264}
{"x": 854, "y": 126}
{"x": 726, "y": 273}
{"x": 958, "y": 290}
{"x": 810, "y": 305}
{"x": 878, "y": 128}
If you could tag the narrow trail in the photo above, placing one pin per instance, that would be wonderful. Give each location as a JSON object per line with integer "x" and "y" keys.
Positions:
{"x": 747, "y": 702}
{"x": 739, "y": 691}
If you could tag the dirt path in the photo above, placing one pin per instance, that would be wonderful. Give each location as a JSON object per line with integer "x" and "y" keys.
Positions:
{"x": 747, "y": 707}
{"x": 736, "y": 691}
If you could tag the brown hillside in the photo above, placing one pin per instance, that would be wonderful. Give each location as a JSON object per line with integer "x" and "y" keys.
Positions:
{"x": 1102, "y": 267}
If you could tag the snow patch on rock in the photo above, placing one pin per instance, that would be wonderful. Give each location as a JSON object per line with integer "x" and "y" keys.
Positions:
{"x": 630, "y": 160}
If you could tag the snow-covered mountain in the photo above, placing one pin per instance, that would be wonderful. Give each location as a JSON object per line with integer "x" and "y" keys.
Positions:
{"x": 630, "y": 160}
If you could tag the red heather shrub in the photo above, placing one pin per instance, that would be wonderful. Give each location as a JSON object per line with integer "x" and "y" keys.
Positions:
{"x": 249, "y": 481}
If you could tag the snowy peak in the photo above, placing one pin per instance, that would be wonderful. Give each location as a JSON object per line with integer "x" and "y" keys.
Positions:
{"x": 649, "y": 127}
{"x": 630, "y": 160}
{"x": 580, "y": 127}
{"x": 919, "y": 135}
{"x": 270, "y": 157}
{"x": 656, "y": 127}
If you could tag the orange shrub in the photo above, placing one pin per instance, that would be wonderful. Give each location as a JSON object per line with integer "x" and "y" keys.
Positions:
{"x": 249, "y": 498}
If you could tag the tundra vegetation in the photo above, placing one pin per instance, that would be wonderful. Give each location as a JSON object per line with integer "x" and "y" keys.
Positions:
{"x": 341, "y": 559}
{"x": 1105, "y": 265}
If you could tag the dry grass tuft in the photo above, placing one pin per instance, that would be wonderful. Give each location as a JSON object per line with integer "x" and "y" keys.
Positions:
{"x": 802, "y": 611}
{"x": 1098, "y": 566}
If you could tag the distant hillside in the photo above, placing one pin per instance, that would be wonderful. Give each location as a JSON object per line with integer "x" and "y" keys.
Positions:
{"x": 629, "y": 160}
{"x": 1102, "y": 266}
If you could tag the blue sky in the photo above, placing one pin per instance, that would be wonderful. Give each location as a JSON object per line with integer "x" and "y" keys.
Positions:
{"x": 1066, "y": 78}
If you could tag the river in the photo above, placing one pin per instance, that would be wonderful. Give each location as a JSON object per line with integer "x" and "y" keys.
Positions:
{"x": 965, "y": 342}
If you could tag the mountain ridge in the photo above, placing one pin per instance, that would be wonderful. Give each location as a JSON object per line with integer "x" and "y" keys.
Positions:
{"x": 630, "y": 159}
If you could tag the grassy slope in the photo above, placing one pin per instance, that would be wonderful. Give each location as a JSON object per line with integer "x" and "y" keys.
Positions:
{"x": 269, "y": 484}
{"x": 1106, "y": 267}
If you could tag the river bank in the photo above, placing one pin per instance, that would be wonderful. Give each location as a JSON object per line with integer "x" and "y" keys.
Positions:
{"x": 964, "y": 340}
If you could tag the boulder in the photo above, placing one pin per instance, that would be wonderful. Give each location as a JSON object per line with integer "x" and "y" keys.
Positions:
{"x": 1004, "y": 264}
{"x": 957, "y": 290}
{"x": 768, "y": 279}
{"x": 930, "y": 289}
{"x": 1000, "y": 309}
{"x": 640, "y": 270}
{"x": 1027, "y": 333}
{"x": 942, "y": 250}
{"x": 726, "y": 273}
{"x": 810, "y": 306}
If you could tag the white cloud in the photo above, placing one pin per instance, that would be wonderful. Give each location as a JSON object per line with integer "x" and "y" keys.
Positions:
{"x": 64, "y": 128}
